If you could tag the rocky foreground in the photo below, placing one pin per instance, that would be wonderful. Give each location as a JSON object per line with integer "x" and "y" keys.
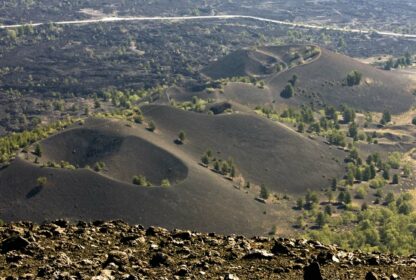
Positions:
{"x": 116, "y": 250}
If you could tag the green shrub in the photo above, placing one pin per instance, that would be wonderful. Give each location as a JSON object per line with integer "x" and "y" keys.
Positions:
{"x": 41, "y": 181}
{"x": 141, "y": 181}
{"x": 165, "y": 183}
{"x": 264, "y": 192}
{"x": 354, "y": 78}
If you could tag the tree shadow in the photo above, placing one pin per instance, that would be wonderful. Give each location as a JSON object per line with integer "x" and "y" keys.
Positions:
{"x": 178, "y": 142}
{"x": 33, "y": 192}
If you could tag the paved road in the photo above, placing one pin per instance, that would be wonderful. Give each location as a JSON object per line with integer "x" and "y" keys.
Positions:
{"x": 181, "y": 18}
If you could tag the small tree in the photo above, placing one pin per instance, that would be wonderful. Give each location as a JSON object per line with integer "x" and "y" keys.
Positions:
{"x": 334, "y": 184}
{"x": 301, "y": 127}
{"x": 151, "y": 126}
{"x": 38, "y": 150}
{"x": 406, "y": 170}
{"x": 225, "y": 168}
{"x": 41, "y": 181}
{"x": 288, "y": 91}
{"x": 299, "y": 203}
{"x": 165, "y": 183}
{"x": 389, "y": 198}
{"x": 205, "y": 159}
{"x": 217, "y": 166}
{"x": 364, "y": 206}
{"x": 181, "y": 136}
{"x": 328, "y": 210}
{"x": 414, "y": 121}
{"x": 321, "y": 219}
{"x": 354, "y": 78}
{"x": 141, "y": 181}
{"x": 386, "y": 174}
{"x": 264, "y": 192}
{"x": 232, "y": 171}
{"x": 395, "y": 180}
{"x": 99, "y": 166}
{"x": 386, "y": 118}
{"x": 347, "y": 198}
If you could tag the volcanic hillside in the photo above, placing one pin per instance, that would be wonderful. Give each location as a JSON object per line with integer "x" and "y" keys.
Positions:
{"x": 321, "y": 79}
{"x": 198, "y": 198}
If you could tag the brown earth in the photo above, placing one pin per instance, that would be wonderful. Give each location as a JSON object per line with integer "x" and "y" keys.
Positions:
{"x": 116, "y": 250}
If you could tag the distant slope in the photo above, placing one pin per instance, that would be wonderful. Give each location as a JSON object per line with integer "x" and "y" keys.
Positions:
{"x": 266, "y": 152}
{"x": 242, "y": 63}
{"x": 321, "y": 80}
{"x": 325, "y": 78}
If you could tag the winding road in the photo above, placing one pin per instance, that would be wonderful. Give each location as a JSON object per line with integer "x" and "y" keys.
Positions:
{"x": 182, "y": 18}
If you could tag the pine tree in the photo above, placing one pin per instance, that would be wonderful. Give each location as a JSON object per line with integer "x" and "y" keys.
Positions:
{"x": 264, "y": 192}
{"x": 181, "y": 136}
{"x": 288, "y": 91}
{"x": 395, "y": 179}
{"x": 38, "y": 150}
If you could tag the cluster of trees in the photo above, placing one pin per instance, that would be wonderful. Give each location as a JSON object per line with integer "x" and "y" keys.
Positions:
{"x": 62, "y": 164}
{"x": 386, "y": 229}
{"x": 357, "y": 170}
{"x": 141, "y": 180}
{"x": 225, "y": 167}
{"x": 196, "y": 105}
{"x": 403, "y": 61}
{"x": 12, "y": 143}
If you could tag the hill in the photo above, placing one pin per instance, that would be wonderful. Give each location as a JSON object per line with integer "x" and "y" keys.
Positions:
{"x": 265, "y": 152}
{"x": 198, "y": 198}
{"x": 321, "y": 79}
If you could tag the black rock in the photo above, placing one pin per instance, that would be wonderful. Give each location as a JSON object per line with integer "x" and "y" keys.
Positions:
{"x": 312, "y": 272}
{"x": 184, "y": 235}
{"x": 371, "y": 276}
{"x": 159, "y": 259}
{"x": 373, "y": 261}
{"x": 14, "y": 243}
{"x": 258, "y": 254}
{"x": 280, "y": 248}
{"x": 117, "y": 257}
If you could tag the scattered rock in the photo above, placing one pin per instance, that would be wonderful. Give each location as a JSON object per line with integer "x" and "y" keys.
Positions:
{"x": 371, "y": 276}
{"x": 16, "y": 242}
{"x": 115, "y": 250}
{"x": 159, "y": 259}
{"x": 312, "y": 272}
{"x": 184, "y": 235}
{"x": 394, "y": 276}
{"x": 118, "y": 257}
{"x": 231, "y": 277}
{"x": 280, "y": 248}
{"x": 258, "y": 254}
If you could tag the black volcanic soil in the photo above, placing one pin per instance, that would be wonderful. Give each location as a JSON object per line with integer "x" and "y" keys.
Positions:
{"x": 116, "y": 250}
{"x": 265, "y": 152}
{"x": 287, "y": 162}
{"x": 202, "y": 201}
{"x": 320, "y": 81}
{"x": 124, "y": 156}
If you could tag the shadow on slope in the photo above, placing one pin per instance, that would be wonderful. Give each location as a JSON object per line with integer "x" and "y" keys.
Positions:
{"x": 123, "y": 156}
